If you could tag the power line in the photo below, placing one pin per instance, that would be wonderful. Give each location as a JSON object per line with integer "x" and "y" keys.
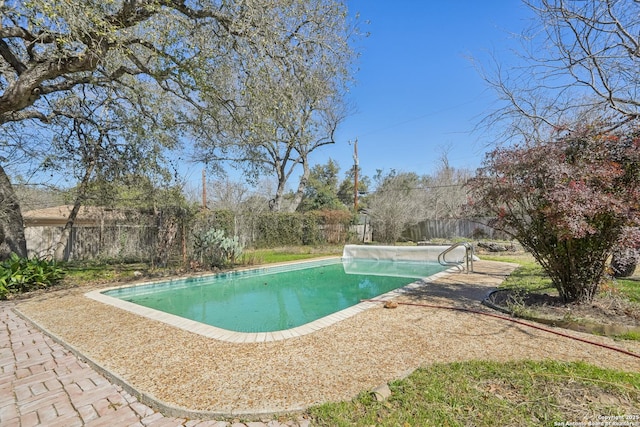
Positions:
{"x": 413, "y": 119}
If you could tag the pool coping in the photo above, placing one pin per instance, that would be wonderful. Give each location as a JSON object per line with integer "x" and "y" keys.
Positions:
{"x": 252, "y": 337}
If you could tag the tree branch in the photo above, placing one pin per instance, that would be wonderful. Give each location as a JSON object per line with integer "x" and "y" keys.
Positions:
{"x": 5, "y": 52}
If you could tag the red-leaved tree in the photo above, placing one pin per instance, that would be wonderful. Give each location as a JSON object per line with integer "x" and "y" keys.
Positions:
{"x": 570, "y": 201}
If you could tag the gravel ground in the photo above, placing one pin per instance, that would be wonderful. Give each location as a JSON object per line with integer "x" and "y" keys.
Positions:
{"x": 193, "y": 373}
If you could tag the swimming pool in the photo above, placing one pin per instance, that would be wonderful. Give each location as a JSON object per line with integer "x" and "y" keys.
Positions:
{"x": 297, "y": 297}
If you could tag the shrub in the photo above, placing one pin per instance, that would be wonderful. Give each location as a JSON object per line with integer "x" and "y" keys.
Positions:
{"x": 479, "y": 233}
{"x": 220, "y": 219}
{"x": 333, "y": 225}
{"x": 18, "y": 275}
{"x": 311, "y": 234}
{"x": 569, "y": 212}
{"x": 215, "y": 250}
{"x": 276, "y": 229}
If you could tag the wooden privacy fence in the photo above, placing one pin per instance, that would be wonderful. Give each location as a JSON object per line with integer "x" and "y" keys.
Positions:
{"x": 138, "y": 242}
{"x": 159, "y": 238}
{"x": 121, "y": 242}
{"x": 452, "y": 228}
{"x": 340, "y": 234}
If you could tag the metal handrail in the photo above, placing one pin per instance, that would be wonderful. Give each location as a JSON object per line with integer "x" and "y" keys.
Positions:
{"x": 468, "y": 256}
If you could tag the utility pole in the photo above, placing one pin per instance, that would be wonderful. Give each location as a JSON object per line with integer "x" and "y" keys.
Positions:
{"x": 204, "y": 190}
{"x": 355, "y": 177}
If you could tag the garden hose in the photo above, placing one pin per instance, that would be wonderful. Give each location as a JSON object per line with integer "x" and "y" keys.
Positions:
{"x": 511, "y": 319}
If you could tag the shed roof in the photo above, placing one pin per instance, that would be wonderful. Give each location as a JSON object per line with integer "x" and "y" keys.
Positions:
{"x": 58, "y": 215}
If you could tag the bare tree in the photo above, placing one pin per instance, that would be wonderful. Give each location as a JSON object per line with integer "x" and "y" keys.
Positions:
{"x": 227, "y": 194}
{"x": 245, "y": 205}
{"x": 445, "y": 192}
{"x": 38, "y": 196}
{"x": 395, "y": 205}
{"x": 580, "y": 58}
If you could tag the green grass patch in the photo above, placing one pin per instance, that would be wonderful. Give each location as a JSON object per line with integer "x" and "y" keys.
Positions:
{"x": 528, "y": 277}
{"x": 96, "y": 272}
{"x": 79, "y": 273}
{"x": 631, "y": 336}
{"x": 275, "y": 257}
{"x": 297, "y": 253}
{"x": 531, "y": 277}
{"x": 490, "y": 393}
{"x": 630, "y": 288}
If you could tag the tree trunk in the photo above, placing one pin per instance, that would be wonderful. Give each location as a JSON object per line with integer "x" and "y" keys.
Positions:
{"x": 276, "y": 203}
{"x": 11, "y": 222}
{"x": 61, "y": 245}
{"x": 59, "y": 251}
{"x": 302, "y": 185}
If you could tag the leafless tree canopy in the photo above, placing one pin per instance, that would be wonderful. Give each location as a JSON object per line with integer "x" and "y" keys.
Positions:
{"x": 578, "y": 58}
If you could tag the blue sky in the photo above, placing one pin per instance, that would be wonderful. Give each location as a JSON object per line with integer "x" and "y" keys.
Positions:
{"x": 417, "y": 93}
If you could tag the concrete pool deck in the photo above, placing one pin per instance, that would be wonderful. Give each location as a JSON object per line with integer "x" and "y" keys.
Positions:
{"x": 190, "y": 377}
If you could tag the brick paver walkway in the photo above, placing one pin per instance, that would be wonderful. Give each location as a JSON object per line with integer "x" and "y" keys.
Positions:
{"x": 44, "y": 384}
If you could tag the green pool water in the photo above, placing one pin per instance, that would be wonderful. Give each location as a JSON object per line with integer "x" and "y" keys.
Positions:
{"x": 274, "y": 299}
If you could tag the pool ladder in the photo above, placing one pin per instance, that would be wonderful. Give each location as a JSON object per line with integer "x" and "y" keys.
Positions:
{"x": 468, "y": 257}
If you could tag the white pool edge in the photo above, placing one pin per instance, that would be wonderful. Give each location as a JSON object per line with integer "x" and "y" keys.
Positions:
{"x": 251, "y": 337}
